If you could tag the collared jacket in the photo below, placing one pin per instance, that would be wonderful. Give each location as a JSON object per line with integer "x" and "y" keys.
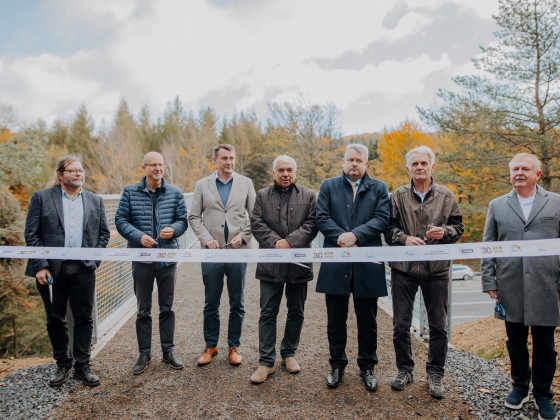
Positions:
{"x": 208, "y": 215}
{"x": 44, "y": 226}
{"x": 134, "y": 216}
{"x": 286, "y": 215}
{"x": 528, "y": 287}
{"x": 367, "y": 217}
{"x": 411, "y": 217}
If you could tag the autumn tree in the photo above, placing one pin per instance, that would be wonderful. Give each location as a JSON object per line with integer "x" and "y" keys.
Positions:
{"x": 118, "y": 154}
{"x": 392, "y": 149}
{"x": 514, "y": 105}
{"x": 22, "y": 171}
{"x": 310, "y": 133}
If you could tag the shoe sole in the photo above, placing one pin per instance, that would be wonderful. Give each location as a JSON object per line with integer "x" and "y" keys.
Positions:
{"x": 143, "y": 370}
{"x": 542, "y": 418}
{"x": 62, "y": 381}
{"x": 518, "y": 406}
{"x": 84, "y": 381}
{"x": 205, "y": 363}
{"x": 436, "y": 396}
{"x": 172, "y": 366}
{"x": 260, "y": 382}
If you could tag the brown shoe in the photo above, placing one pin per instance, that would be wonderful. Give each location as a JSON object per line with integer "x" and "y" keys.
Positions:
{"x": 291, "y": 364}
{"x": 206, "y": 356}
{"x": 261, "y": 374}
{"x": 234, "y": 356}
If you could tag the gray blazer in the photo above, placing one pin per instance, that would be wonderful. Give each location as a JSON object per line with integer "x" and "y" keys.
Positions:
{"x": 208, "y": 214}
{"x": 528, "y": 287}
{"x": 44, "y": 226}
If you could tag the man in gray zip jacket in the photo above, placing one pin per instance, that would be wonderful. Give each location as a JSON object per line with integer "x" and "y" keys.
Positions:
{"x": 422, "y": 213}
{"x": 152, "y": 214}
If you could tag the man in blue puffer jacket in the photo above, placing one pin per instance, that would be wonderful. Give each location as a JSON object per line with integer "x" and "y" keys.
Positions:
{"x": 152, "y": 214}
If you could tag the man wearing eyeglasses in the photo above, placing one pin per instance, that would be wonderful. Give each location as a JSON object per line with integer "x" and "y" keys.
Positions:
{"x": 153, "y": 214}
{"x": 67, "y": 216}
{"x": 219, "y": 216}
{"x": 422, "y": 213}
{"x": 526, "y": 288}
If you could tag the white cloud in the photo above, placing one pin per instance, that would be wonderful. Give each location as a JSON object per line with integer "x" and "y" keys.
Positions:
{"x": 164, "y": 48}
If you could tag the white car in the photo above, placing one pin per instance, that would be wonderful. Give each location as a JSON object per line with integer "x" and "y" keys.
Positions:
{"x": 461, "y": 272}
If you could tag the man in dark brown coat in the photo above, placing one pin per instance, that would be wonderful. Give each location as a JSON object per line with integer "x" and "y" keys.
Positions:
{"x": 283, "y": 217}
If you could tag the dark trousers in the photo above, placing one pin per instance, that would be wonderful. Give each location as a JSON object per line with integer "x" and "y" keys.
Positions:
{"x": 435, "y": 291}
{"x": 213, "y": 278}
{"x": 144, "y": 275}
{"x": 544, "y": 358}
{"x": 75, "y": 284}
{"x": 271, "y": 295}
{"x": 366, "y": 317}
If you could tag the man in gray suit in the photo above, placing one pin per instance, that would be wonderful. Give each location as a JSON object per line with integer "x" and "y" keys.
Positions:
{"x": 67, "y": 216}
{"x": 526, "y": 288}
{"x": 219, "y": 216}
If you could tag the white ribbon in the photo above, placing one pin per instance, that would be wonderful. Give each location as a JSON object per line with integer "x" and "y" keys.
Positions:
{"x": 531, "y": 248}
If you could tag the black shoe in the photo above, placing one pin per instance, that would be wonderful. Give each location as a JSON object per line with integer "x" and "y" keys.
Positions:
{"x": 87, "y": 376}
{"x": 335, "y": 377}
{"x": 173, "y": 360}
{"x": 141, "y": 364}
{"x": 61, "y": 375}
{"x": 369, "y": 380}
{"x": 516, "y": 398}
{"x": 546, "y": 409}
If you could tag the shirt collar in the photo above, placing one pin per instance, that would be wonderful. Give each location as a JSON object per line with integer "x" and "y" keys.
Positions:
{"x": 358, "y": 181}
{"x": 227, "y": 181}
{"x": 68, "y": 197}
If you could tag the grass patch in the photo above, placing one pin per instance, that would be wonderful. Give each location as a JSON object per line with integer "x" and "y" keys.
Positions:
{"x": 495, "y": 353}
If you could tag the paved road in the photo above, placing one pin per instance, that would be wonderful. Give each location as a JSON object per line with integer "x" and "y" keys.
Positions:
{"x": 468, "y": 302}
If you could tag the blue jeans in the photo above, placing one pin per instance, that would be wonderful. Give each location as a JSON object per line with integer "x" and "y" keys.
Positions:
{"x": 213, "y": 278}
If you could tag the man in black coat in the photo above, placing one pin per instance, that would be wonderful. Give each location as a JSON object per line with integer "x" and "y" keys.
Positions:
{"x": 67, "y": 216}
{"x": 352, "y": 210}
{"x": 283, "y": 217}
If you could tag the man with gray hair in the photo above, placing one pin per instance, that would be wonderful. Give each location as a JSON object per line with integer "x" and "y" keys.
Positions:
{"x": 422, "y": 213}
{"x": 352, "y": 210}
{"x": 526, "y": 289}
{"x": 283, "y": 217}
{"x": 153, "y": 214}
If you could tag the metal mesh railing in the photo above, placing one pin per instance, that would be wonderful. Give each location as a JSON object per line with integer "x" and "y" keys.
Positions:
{"x": 114, "y": 285}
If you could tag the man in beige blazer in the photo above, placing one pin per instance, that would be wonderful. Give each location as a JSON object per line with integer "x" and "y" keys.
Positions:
{"x": 219, "y": 214}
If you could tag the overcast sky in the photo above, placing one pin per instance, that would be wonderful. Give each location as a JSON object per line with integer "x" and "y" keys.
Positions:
{"x": 374, "y": 59}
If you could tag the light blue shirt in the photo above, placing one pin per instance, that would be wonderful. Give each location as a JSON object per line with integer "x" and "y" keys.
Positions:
{"x": 73, "y": 220}
{"x": 357, "y": 182}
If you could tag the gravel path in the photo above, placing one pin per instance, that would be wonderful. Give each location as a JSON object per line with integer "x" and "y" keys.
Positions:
{"x": 220, "y": 390}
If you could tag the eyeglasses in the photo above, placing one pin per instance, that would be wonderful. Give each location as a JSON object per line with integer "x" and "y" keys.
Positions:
{"x": 75, "y": 171}
{"x": 154, "y": 165}
{"x": 499, "y": 308}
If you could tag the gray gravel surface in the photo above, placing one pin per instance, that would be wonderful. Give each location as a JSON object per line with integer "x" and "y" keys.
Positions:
{"x": 220, "y": 390}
